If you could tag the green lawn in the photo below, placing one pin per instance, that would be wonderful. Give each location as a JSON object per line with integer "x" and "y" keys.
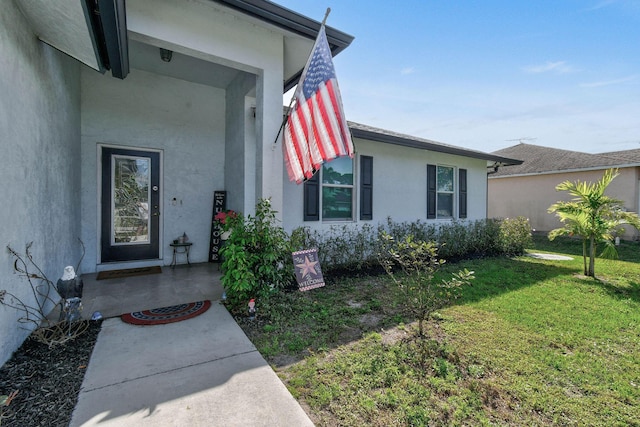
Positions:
{"x": 530, "y": 342}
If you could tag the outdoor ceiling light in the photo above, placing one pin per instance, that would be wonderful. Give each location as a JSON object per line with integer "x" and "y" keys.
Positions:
{"x": 166, "y": 54}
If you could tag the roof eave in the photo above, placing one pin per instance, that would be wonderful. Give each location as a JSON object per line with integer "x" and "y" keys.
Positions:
{"x": 424, "y": 145}
{"x": 113, "y": 23}
{"x": 294, "y": 22}
{"x": 559, "y": 171}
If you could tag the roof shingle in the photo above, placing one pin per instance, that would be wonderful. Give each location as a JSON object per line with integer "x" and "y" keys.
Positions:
{"x": 537, "y": 159}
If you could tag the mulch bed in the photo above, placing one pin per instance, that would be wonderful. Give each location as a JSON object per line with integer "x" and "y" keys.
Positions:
{"x": 48, "y": 380}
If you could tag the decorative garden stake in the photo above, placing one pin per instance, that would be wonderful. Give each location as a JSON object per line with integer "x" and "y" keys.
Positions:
{"x": 252, "y": 309}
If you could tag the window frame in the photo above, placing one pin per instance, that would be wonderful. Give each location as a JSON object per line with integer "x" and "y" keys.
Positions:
{"x": 352, "y": 187}
{"x": 451, "y": 193}
{"x": 433, "y": 192}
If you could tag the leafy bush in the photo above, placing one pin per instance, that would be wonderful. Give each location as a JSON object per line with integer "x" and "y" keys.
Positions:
{"x": 515, "y": 236}
{"x": 354, "y": 247}
{"x": 411, "y": 265}
{"x": 256, "y": 256}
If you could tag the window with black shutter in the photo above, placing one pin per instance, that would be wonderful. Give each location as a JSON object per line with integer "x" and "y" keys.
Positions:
{"x": 366, "y": 187}
{"x": 441, "y": 191}
{"x": 330, "y": 194}
{"x": 462, "y": 193}
{"x": 431, "y": 191}
{"x": 312, "y": 198}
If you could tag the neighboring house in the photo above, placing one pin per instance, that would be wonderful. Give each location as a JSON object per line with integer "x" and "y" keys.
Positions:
{"x": 191, "y": 103}
{"x": 529, "y": 189}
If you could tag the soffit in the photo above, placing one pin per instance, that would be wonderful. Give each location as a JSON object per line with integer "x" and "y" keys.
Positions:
{"x": 64, "y": 25}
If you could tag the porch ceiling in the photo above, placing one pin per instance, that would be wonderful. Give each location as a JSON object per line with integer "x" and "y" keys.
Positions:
{"x": 146, "y": 57}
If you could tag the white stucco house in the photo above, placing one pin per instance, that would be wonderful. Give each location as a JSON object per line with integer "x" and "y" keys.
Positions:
{"x": 119, "y": 121}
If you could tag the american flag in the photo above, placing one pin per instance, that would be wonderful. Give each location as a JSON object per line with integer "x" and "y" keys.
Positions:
{"x": 316, "y": 130}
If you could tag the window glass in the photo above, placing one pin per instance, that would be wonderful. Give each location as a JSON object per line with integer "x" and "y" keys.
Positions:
{"x": 445, "y": 179}
{"x": 337, "y": 203}
{"x": 445, "y": 205}
{"x": 338, "y": 171}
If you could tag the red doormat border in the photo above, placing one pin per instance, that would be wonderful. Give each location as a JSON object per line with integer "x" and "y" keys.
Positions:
{"x": 129, "y": 272}
{"x": 164, "y": 315}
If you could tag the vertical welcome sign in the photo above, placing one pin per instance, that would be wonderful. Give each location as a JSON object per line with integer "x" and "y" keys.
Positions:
{"x": 219, "y": 205}
{"x": 307, "y": 266}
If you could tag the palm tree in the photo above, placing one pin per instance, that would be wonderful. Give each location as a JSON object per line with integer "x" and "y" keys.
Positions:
{"x": 593, "y": 216}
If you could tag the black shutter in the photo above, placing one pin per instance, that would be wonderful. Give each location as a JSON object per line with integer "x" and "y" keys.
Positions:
{"x": 462, "y": 193}
{"x": 312, "y": 198}
{"x": 431, "y": 191}
{"x": 366, "y": 187}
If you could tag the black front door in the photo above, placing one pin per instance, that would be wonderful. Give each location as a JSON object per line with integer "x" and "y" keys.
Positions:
{"x": 130, "y": 200}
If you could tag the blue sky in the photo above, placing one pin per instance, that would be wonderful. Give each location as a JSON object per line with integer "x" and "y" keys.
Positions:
{"x": 487, "y": 74}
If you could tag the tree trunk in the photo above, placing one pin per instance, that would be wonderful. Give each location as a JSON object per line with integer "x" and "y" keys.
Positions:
{"x": 592, "y": 257}
{"x": 584, "y": 256}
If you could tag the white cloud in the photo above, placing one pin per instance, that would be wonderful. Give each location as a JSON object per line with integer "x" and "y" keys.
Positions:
{"x": 601, "y": 4}
{"x": 610, "y": 82}
{"x": 559, "y": 67}
{"x": 407, "y": 70}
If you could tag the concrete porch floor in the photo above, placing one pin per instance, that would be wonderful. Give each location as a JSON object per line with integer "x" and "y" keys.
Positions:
{"x": 202, "y": 371}
{"x": 179, "y": 285}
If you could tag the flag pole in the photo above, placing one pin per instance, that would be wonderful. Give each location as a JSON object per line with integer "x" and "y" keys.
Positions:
{"x": 326, "y": 15}
{"x": 284, "y": 121}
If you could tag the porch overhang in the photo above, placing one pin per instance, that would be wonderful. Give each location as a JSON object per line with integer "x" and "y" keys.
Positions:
{"x": 297, "y": 24}
{"x": 92, "y": 31}
{"x": 95, "y": 31}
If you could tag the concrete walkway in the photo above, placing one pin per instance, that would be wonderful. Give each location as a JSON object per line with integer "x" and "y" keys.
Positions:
{"x": 202, "y": 371}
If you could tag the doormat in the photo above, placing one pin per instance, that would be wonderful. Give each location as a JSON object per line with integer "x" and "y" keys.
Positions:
{"x": 160, "y": 316}
{"x": 129, "y": 272}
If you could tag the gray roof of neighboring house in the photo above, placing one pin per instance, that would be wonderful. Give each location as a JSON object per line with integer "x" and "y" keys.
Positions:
{"x": 537, "y": 159}
{"x": 382, "y": 135}
{"x": 627, "y": 155}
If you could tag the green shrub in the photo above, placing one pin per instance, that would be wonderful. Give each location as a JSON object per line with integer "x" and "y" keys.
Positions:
{"x": 256, "y": 257}
{"x": 514, "y": 236}
{"x": 354, "y": 247}
{"x": 412, "y": 264}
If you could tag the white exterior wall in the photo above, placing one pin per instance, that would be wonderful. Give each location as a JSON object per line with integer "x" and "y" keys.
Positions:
{"x": 399, "y": 185}
{"x": 205, "y": 30}
{"x": 184, "y": 120}
{"x": 40, "y": 162}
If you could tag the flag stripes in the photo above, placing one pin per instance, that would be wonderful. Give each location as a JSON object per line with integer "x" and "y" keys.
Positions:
{"x": 316, "y": 129}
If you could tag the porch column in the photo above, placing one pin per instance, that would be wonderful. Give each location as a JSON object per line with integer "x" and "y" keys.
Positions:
{"x": 240, "y": 142}
{"x": 269, "y": 159}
